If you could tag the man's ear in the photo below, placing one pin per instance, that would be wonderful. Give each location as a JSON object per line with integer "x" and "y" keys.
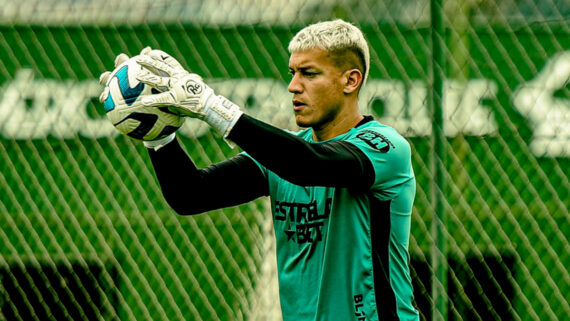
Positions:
{"x": 353, "y": 80}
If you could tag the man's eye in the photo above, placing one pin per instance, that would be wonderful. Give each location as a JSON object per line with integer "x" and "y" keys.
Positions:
{"x": 304, "y": 73}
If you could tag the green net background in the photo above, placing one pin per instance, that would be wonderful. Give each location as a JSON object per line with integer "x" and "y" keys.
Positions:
{"x": 86, "y": 235}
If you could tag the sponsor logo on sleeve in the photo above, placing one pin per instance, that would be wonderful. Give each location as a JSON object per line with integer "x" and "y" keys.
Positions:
{"x": 376, "y": 140}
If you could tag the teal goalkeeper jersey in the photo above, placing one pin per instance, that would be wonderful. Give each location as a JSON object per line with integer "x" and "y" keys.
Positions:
{"x": 343, "y": 254}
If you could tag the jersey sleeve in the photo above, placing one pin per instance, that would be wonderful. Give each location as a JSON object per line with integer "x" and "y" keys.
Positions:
{"x": 332, "y": 164}
{"x": 390, "y": 155}
{"x": 190, "y": 190}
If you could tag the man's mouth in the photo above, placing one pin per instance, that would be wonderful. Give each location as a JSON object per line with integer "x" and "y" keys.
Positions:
{"x": 298, "y": 105}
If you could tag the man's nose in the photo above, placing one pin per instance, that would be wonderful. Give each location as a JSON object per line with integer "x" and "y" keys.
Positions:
{"x": 295, "y": 85}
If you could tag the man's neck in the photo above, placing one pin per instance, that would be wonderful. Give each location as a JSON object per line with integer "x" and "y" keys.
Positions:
{"x": 338, "y": 126}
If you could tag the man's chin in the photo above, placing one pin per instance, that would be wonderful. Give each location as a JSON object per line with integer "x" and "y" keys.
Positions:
{"x": 302, "y": 122}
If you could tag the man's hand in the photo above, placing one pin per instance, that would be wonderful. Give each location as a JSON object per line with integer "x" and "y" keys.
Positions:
{"x": 104, "y": 77}
{"x": 185, "y": 92}
{"x": 182, "y": 90}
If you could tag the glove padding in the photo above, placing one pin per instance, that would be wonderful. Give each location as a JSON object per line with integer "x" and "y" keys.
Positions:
{"x": 122, "y": 57}
{"x": 104, "y": 77}
{"x": 185, "y": 92}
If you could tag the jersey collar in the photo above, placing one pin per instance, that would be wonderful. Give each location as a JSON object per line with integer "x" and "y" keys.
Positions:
{"x": 366, "y": 119}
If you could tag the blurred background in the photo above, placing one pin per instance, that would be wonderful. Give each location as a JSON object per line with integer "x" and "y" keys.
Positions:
{"x": 480, "y": 88}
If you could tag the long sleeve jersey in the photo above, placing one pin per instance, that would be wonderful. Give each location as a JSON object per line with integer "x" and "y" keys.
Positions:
{"x": 341, "y": 211}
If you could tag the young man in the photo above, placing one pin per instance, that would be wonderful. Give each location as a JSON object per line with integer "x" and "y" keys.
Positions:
{"x": 341, "y": 190}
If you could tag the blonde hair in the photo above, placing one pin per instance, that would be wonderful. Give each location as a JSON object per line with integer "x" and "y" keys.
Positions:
{"x": 334, "y": 36}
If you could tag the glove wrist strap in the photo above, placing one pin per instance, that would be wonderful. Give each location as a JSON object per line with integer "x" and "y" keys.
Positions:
{"x": 222, "y": 114}
{"x": 159, "y": 143}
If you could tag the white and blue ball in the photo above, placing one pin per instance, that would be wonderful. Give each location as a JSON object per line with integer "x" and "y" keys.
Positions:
{"x": 126, "y": 112}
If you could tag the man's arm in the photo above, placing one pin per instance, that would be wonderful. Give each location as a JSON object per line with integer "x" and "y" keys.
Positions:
{"x": 336, "y": 164}
{"x": 339, "y": 164}
{"x": 189, "y": 190}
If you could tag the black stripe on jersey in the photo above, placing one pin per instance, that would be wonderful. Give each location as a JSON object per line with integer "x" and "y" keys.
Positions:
{"x": 380, "y": 234}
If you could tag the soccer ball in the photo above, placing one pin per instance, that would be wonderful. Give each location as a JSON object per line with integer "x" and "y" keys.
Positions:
{"x": 126, "y": 112}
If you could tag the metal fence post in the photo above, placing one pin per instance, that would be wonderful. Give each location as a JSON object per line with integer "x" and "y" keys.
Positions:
{"x": 438, "y": 255}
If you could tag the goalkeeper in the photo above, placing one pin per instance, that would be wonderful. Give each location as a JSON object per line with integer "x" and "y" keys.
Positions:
{"x": 341, "y": 190}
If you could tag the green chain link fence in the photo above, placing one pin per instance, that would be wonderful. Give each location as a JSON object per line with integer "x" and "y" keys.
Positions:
{"x": 85, "y": 233}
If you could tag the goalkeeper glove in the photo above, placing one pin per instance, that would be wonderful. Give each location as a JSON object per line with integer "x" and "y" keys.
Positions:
{"x": 104, "y": 78}
{"x": 185, "y": 92}
{"x": 121, "y": 58}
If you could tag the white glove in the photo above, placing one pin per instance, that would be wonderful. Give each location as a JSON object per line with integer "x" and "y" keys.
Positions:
{"x": 104, "y": 77}
{"x": 122, "y": 57}
{"x": 185, "y": 92}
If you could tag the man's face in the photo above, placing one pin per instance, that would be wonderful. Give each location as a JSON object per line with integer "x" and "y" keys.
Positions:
{"x": 317, "y": 87}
